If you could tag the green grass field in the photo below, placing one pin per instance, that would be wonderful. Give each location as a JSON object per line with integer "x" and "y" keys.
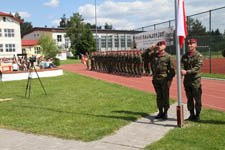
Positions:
{"x": 217, "y": 76}
{"x": 70, "y": 61}
{"x": 209, "y": 134}
{"x": 87, "y": 109}
{"x": 76, "y": 107}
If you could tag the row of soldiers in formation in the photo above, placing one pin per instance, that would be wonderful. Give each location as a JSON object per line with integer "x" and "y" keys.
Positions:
{"x": 131, "y": 63}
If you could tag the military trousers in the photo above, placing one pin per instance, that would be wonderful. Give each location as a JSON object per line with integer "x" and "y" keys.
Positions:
{"x": 147, "y": 68}
{"x": 193, "y": 91}
{"x": 162, "y": 93}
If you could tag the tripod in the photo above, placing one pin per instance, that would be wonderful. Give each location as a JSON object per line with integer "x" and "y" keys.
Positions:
{"x": 30, "y": 78}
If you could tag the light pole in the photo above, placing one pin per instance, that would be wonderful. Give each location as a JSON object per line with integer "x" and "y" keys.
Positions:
{"x": 96, "y": 29}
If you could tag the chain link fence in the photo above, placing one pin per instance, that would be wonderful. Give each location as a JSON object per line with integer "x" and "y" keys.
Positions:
{"x": 209, "y": 29}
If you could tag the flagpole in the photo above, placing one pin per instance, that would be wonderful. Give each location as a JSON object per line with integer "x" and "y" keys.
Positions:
{"x": 96, "y": 28}
{"x": 180, "y": 118}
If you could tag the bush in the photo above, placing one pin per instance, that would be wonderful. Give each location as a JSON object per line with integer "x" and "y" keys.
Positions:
{"x": 223, "y": 53}
{"x": 56, "y": 61}
{"x": 71, "y": 57}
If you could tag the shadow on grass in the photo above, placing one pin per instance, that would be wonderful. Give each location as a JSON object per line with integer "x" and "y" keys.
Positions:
{"x": 218, "y": 122}
{"x": 131, "y": 112}
{"x": 127, "y": 118}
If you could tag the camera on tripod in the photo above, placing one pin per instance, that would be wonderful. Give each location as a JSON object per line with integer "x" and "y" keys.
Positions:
{"x": 32, "y": 59}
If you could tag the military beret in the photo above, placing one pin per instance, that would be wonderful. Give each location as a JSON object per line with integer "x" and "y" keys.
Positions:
{"x": 161, "y": 43}
{"x": 192, "y": 41}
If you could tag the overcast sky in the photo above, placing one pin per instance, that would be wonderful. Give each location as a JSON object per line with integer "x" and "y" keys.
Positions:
{"x": 122, "y": 14}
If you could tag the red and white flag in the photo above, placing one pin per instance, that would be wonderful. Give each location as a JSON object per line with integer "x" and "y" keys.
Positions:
{"x": 181, "y": 26}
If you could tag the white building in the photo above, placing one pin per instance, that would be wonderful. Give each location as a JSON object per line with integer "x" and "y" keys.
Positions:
{"x": 115, "y": 40}
{"x": 10, "y": 37}
{"x": 108, "y": 40}
{"x": 57, "y": 34}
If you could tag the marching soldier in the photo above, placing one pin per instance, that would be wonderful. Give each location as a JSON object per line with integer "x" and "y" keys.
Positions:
{"x": 163, "y": 73}
{"x": 191, "y": 64}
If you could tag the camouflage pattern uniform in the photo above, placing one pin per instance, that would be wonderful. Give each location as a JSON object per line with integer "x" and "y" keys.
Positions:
{"x": 162, "y": 72}
{"x": 145, "y": 60}
{"x": 192, "y": 63}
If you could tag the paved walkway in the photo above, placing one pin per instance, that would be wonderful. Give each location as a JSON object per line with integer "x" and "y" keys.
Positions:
{"x": 134, "y": 136}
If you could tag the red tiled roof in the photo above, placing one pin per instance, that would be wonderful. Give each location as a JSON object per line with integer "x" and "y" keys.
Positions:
{"x": 5, "y": 14}
{"x": 29, "y": 42}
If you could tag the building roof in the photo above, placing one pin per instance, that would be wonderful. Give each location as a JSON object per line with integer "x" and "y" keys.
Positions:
{"x": 45, "y": 29}
{"x": 5, "y": 14}
{"x": 29, "y": 42}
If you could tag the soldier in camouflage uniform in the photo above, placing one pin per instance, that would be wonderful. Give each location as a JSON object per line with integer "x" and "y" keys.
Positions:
{"x": 191, "y": 64}
{"x": 145, "y": 60}
{"x": 92, "y": 57}
{"x": 163, "y": 73}
{"x": 139, "y": 64}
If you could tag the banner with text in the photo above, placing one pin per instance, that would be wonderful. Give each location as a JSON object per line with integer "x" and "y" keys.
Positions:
{"x": 146, "y": 39}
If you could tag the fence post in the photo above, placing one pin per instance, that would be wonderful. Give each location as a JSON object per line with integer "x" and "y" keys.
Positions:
{"x": 210, "y": 33}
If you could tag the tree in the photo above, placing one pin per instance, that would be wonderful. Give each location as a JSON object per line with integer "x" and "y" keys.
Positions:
{"x": 195, "y": 28}
{"x": 63, "y": 22}
{"x": 25, "y": 26}
{"x": 48, "y": 46}
{"x": 94, "y": 26}
{"x": 80, "y": 35}
{"x": 107, "y": 26}
{"x": 217, "y": 40}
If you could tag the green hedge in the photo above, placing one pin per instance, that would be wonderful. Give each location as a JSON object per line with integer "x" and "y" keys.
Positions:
{"x": 56, "y": 61}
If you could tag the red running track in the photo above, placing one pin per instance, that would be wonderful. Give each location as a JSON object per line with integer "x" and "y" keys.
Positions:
{"x": 213, "y": 90}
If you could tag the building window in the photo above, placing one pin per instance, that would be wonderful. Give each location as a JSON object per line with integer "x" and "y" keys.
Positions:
{"x": 9, "y": 32}
{"x": 116, "y": 41}
{"x": 67, "y": 41}
{"x": 4, "y": 19}
{"x": 110, "y": 41}
{"x": 0, "y": 32}
{"x": 1, "y": 47}
{"x": 10, "y": 48}
{"x": 128, "y": 41}
{"x": 122, "y": 41}
{"x": 97, "y": 42}
{"x": 103, "y": 41}
{"x": 37, "y": 50}
{"x": 59, "y": 38}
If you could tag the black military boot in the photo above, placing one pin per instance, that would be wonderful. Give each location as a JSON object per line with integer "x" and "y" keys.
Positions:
{"x": 192, "y": 116}
{"x": 165, "y": 115}
{"x": 197, "y": 117}
{"x": 160, "y": 114}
